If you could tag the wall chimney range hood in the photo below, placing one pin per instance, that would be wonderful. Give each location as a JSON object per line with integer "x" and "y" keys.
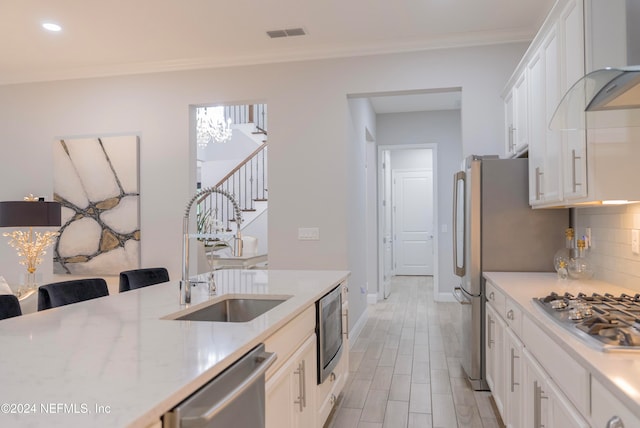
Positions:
{"x": 612, "y": 90}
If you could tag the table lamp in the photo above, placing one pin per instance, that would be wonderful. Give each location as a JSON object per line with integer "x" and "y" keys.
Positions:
{"x": 30, "y": 245}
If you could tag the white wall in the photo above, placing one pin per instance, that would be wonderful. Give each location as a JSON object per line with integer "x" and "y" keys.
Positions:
{"x": 310, "y": 156}
{"x": 442, "y": 128}
{"x": 361, "y": 205}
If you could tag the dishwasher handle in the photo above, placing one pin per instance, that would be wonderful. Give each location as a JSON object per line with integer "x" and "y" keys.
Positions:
{"x": 265, "y": 360}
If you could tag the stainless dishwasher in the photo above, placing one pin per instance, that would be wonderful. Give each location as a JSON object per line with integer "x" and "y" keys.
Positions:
{"x": 234, "y": 398}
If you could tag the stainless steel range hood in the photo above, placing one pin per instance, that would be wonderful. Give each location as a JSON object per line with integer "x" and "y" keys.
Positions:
{"x": 609, "y": 96}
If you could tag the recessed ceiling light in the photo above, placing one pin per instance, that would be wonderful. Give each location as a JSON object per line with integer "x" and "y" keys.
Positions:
{"x": 50, "y": 26}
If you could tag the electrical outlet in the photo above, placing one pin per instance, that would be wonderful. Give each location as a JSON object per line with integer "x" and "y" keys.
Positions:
{"x": 635, "y": 241}
{"x": 308, "y": 234}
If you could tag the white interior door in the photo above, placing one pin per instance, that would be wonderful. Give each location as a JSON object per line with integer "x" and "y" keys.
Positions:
{"x": 413, "y": 222}
{"x": 387, "y": 230}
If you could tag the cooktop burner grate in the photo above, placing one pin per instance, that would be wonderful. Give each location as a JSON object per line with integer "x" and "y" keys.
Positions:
{"x": 605, "y": 321}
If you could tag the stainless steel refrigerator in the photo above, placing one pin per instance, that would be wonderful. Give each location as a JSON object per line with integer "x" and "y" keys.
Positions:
{"x": 495, "y": 229}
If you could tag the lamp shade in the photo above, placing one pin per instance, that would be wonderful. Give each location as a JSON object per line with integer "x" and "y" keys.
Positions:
{"x": 29, "y": 214}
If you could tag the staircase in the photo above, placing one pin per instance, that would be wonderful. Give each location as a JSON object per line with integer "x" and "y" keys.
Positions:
{"x": 247, "y": 181}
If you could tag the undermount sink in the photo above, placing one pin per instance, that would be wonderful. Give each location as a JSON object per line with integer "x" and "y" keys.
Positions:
{"x": 232, "y": 309}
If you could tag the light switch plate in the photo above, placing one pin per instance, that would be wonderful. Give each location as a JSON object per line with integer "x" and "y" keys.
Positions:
{"x": 635, "y": 241}
{"x": 308, "y": 234}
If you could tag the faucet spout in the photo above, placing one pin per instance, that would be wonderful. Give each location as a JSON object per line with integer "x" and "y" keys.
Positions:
{"x": 185, "y": 283}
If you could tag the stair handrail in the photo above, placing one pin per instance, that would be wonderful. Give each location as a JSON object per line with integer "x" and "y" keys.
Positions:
{"x": 241, "y": 164}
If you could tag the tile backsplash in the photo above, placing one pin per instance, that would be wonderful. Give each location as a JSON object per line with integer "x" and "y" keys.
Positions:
{"x": 611, "y": 242}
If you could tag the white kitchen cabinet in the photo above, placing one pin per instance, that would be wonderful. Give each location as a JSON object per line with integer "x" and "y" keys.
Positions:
{"x": 513, "y": 396}
{"x": 494, "y": 350}
{"x": 525, "y": 393}
{"x": 544, "y": 403}
{"x": 578, "y": 166}
{"x": 607, "y": 411}
{"x": 572, "y": 51}
{"x": 509, "y": 125}
{"x": 545, "y": 145}
{"x": 290, "y": 391}
{"x": 516, "y": 117}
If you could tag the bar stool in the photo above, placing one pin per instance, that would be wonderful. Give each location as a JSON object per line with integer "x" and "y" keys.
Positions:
{"x": 9, "y": 306}
{"x": 67, "y": 292}
{"x": 138, "y": 278}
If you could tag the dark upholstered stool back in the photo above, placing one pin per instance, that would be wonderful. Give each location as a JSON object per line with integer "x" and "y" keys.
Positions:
{"x": 138, "y": 278}
{"x": 9, "y": 306}
{"x": 67, "y": 292}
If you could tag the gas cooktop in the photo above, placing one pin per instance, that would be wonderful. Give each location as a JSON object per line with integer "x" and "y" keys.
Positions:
{"x": 604, "y": 321}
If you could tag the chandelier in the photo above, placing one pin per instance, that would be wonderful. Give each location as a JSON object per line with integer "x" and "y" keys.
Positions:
{"x": 211, "y": 126}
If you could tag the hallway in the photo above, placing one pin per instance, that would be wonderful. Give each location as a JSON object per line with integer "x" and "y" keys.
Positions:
{"x": 405, "y": 367}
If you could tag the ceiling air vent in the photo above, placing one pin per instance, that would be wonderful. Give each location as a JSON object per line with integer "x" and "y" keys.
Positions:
{"x": 289, "y": 32}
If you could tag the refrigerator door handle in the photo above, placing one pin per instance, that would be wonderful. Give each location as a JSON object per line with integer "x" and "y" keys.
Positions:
{"x": 459, "y": 270}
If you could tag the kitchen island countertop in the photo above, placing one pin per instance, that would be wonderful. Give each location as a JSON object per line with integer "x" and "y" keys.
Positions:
{"x": 618, "y": 371}
{"x": 113, "y": 362}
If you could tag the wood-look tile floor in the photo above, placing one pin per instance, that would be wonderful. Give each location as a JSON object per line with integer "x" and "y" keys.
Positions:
{"x": 405, "y": 367}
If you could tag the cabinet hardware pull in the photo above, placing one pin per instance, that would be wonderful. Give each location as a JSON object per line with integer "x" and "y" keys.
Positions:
{"x": 512, "y": 140}
{"x": 513, "y": 382}
{"x": 490, "y": 341}
{"x": 510, "y": 315}
{"x": 492, "y": 296}
{"x": 615, "y": 422}
{"x": 346, "y": 315}
{"x": 332, "y": 377}
{"x": 537, "y": 405}
{"x": 539, "y": 193}
{"x": 573, "y": 170}
{"x": 302, "y": 393}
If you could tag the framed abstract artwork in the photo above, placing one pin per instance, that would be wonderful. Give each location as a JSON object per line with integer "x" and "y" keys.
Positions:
{"x": 96, "y": 182}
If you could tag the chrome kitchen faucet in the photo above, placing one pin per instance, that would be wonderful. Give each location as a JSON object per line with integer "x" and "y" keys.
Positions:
{"x": 185, "y": 283}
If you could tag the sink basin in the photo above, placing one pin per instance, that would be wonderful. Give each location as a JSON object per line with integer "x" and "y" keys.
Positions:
{"x": 232, "y": 309}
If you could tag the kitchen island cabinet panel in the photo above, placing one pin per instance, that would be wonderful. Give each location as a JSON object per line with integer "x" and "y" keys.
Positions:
{"x": 160, "y": 360}
{"x": 290, "y": 392}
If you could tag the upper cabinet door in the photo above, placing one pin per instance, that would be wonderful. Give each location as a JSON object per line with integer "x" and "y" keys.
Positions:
{"x": 509, "y": 126}
{"x": 521, "y": 115}
{"x": 552, "y": 178}
{"x": 572, "y": 69}
{"x": 537, "y": 134}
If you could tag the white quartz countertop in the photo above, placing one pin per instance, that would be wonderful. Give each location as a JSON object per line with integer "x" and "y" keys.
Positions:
{"x": 113, "y": 362}
{"x": 618, "y": 371}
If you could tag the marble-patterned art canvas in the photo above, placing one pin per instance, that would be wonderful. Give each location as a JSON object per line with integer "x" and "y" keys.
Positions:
{"x": 96, "y": 182}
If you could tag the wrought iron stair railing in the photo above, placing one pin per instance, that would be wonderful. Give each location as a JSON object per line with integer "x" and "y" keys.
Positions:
{"x": 247, "y": 182}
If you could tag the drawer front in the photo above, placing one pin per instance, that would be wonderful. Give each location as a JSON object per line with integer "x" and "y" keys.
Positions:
{"x": 605, "y": 408}
{"x": 571, "y": 377}
{"x": 513, "y": 317}
{"x": 285, "y": 341}
{"x": 495, "y": 298}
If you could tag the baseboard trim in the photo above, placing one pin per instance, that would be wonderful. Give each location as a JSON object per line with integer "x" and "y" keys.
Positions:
{"x": 358, "y": 326}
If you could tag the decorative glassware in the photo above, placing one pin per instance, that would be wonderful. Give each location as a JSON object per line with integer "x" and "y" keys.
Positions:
{"x": 563, "y": 273}
{"x": 567, "y": 253}
{"x": 581, "y": 267}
